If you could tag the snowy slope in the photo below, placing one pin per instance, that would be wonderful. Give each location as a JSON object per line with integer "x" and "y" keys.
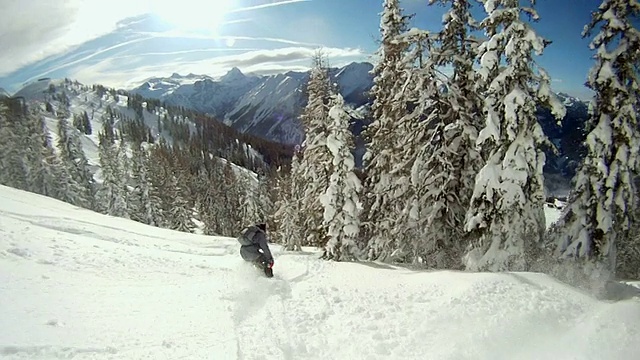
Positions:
{"x": 76, "y": 284}
{"x": 85, "y": 99}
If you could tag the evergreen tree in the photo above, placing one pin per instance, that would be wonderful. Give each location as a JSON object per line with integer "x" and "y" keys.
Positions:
{"x": 6, "y": 145}
{"x": 314, "y": 165}
{"x": 507, "y": 207}
{"x": 215, "y": 199}
{"x": 447, "y": 161}
{"x": 383, "y": 138}
{"x": 181, "y": 217}
{"x": 205, "y": 205}
{"x": 111, "y": 195}
{"x": 263, "y": 199}
{"x": 13, "y": 171}
{"x": 288, "y": 217}
{"x": 414, "y": 129}
{"x": 145, "y": 205}
{"x": 80, "y": 181}
{"x": 44, "y": 172}
{"x": 86, "y": 124}
{"x": 602, "y": 205}
{"x": 124, "y": 171}
{"x": 82, "y": 172}
{"x": 71, "y": 191}
{"x": 232, "y": 201}
{"x": 341, "y": 199}
{"x": 159, "y": 172}
{"x": 251, "y": 210}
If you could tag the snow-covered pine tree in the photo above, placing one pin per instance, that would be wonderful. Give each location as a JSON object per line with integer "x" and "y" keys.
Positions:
{"x": 44, "y": 171}
{"x": 507, "y": 207}
{"x": 180, "y": 216}
{"x": 413, "y": 130}
{"x": 602, "y": 205}
{"x": 446, "y": 163}
{"x": 82, "y": 173}
{"x": 227, "y": 193}
{"x": 287, "y": 217}
{"x": 264, "y": 200}
{"x": 124, "y": 168}
{"x": 341, "y": 200}
{"x": 111, "y": 196}
{"x": 248, "y": 200}
{"x": 159, "y": 173}
{"x": 313, "y": 172}
{"x": 382, "y": 136}
{"x": 13, "y": 170}
{"x": 6, "y": 145}
{"x": 213, "y": 201}
{"x": 80, "y": 185}
{"x": 145, "y": 205}
{"x": 205, "y": 200}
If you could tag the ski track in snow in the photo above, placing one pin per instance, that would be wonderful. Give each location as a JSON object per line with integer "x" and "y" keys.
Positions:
{"x": 75, "y": 284}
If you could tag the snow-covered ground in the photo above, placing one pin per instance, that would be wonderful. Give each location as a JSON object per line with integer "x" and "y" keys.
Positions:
{"x": 76, "y": 284}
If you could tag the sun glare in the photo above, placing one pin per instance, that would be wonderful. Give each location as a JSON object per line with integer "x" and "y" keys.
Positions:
{"x": 193, "y": 15}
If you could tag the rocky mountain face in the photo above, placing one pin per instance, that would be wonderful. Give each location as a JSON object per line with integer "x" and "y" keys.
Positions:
{"x": 567, "y": 135}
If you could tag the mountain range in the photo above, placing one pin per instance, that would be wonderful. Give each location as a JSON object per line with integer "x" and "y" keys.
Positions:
{"x": 267, "y": 106}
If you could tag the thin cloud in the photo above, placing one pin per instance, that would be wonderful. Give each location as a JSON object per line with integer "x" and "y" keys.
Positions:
{"x": 276, "y": 40}
{"x": 267, "y": 5}
{"x": 85, "y": 58}
{"x": 181, "y": 34}
{"x": 284, "y": 55}
{"x": 32, "y": 30}
{"x": 182, "y": 52}
{"x": 237, "y": 21}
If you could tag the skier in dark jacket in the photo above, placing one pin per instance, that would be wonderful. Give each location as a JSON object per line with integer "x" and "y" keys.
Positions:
{"x": 255, "y": 247}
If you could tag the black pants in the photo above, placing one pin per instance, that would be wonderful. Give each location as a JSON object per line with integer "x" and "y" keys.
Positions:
{"x": 252, "y": 253}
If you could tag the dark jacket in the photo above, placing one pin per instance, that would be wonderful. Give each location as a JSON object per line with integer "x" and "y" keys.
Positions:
{"x": 258, "y": 242}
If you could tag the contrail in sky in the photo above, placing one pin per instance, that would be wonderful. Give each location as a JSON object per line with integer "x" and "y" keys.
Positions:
{"x": 267, "y": 5}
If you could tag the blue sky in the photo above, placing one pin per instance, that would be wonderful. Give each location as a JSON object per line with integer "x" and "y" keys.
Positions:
{"x": 119, "y": 43}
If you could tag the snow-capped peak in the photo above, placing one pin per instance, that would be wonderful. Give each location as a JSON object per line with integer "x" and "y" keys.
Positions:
{"x": 4, "y": 93}
{"x": 568, "y": 100}
{"x": 355, "y": 68}
{"x": 233, "y": 75}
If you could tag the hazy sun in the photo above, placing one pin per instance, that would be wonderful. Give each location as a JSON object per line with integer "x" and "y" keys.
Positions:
{"x": 199, "y": 15}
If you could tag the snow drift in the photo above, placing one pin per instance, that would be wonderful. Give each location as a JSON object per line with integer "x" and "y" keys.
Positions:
{"x": 74, "y": 283}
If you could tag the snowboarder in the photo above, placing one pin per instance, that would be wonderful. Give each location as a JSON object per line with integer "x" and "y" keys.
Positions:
{"x": 255, "y": 247}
